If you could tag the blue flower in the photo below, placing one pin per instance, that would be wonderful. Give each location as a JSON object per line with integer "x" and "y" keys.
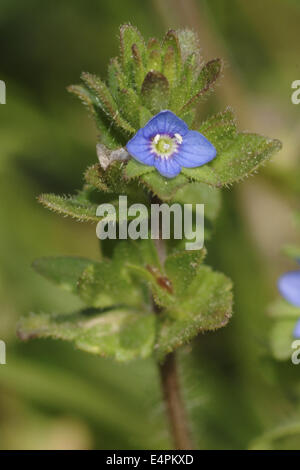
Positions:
{"x": 167, "y": 144}
{"x": 296, "y": 332}
{"x": 289, "y": 288}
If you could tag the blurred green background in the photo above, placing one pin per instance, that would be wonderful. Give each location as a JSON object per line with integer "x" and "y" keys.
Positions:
{"x": 54, "y": 397}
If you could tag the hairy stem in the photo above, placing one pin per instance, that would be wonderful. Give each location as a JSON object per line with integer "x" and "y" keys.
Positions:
{"x": 170, "y": 385}
{"x": 174, "y": 404}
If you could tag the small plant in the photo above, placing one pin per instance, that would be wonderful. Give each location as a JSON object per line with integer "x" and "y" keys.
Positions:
{"x": 149, "y": 297}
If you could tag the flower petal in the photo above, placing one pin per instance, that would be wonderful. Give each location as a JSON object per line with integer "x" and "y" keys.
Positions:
{"x": 165, "y": 122}
{"x": 296, "y": 332}
{"x": 167, "y": 167}
{"x": 195, "y": 150}
{"x": 139, "y": 148}
{"x": 289, "y": 287}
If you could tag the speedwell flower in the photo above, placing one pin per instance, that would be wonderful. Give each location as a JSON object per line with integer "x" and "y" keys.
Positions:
{"x": 289, "y": 288}
{"x": 167, "y": 144}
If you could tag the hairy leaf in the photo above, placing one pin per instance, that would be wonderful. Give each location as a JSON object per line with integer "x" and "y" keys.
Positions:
{"x": 77, "y": 206}
{"x": 244, "y": 155}
{"x": 62, "y": 270}
{"x": 205, "y": 305}
{"x": 155, "y": 92}
{"x": 106, "y": 102}
{"x": 205, "y": 83}
{"x": 121, "y": 334}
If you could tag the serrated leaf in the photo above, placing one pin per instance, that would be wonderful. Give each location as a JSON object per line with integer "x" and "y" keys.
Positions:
{"x": 204, "y": 84}
{"x": 155, "y": 92}
{"x": 245, "y": 154}
{"x": 121, "y": 334}
{"x": 281, "y": 339}
{"x": 283, "y": 310}
{"x": 207, "y": 306}
{"x": 62, "y": 270}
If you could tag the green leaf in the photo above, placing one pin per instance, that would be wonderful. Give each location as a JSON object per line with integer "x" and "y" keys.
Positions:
{"x": 171, "y": 57}
{"x": 101, "y": 285}
{"x": 189, "y": 44}
{"x": 94, "y": 176}
{"x": 283, "y": 310}
{"x": 200, "y": 193}
{"x": 205, "y": 83}
{"x": 169, "y": 68}
{"x": 244, "y": 155}
{"x": 155, "y": 92}
{"x": 62, "y": 270}
{"x": 116, "y": 77}
{"x": 220, "y": 129}
{"x": 154, "y": 55}
{"x": 129, "y": 35}
{"x": 145, "y": 116}
{"x": 182, "y": 268}
{"x": 138, "y": 67}
{"x": 77, "y": 206}
{"x": 162, "y": 187}
{"x": 90, "y": 103}
{"x": 129, "y": 105}
{"x": 281, "y": 339}
{"x": 181, "y": 92}
{"x": 121, "y": 334}
{"x": 106, "y": 102}
{"x": 134, "y": 169}
{"x": 205, "y": 305}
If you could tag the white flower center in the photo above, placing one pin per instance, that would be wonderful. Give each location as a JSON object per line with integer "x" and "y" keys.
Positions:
{"x": 164, "y": 145}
